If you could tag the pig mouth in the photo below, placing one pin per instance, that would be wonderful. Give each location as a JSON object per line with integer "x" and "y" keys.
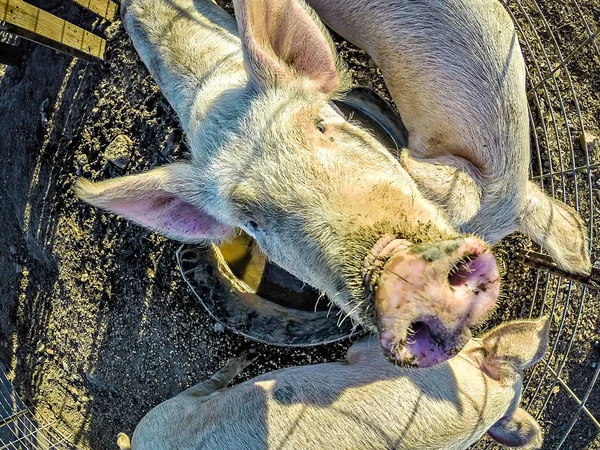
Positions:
{"x": 428, "y": 295}
{"x": 426, "y": 343}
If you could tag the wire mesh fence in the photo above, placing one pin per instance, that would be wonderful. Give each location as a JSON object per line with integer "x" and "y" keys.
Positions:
{"x": 560, "y": 44}
{"x": 24, "y": 428}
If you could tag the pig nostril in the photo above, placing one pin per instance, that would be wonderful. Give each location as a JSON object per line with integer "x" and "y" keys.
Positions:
{"x": 463, "y": 271}
{"x": 418, "y": 331}
{"x": 417, "y": 327}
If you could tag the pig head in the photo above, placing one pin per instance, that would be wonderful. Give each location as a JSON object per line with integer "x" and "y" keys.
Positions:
{"x": 457, "y": 76}
{"x": 272, "y": 156}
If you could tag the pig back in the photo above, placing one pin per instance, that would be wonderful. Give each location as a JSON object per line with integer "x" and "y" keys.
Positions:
{"x": 192, "y": 50}
{"x": 342, "y": 406}
{"x": 456, "y": 73}
{"x": 379, "y": 406}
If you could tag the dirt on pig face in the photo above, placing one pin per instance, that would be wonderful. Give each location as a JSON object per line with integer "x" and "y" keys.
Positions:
{"x": 96, "y": 323}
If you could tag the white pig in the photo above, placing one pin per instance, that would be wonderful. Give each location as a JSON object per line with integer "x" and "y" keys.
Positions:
{"x": 269, "y": 154}
{"x": 455, "y": 70}
{"x": 364, "y": 403}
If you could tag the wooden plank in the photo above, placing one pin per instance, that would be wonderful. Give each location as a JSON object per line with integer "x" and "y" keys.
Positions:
{"x": 40, "y": 26}
{"x": 11, "y": 55}
{"x": 104, "y": 8}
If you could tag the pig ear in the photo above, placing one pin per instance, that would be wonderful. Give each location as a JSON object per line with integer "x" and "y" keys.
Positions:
{"x": 518, "y": 430}
{"x": 558, "y": 229}
{"x": 284, "y": 39}
{"x": 160, "y": 199}
{"x": 514, "y": 346}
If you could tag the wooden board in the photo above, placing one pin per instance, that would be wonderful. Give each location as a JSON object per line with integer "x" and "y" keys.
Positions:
{"x": 104, "y": 8}
{"x": 40, "y": 26}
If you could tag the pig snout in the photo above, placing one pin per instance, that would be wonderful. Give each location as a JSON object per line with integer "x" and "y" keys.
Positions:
{"x": 427, "y": 296}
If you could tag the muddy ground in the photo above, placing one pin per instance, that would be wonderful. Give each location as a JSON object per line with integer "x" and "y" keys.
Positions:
{"x": 97, "y": 325}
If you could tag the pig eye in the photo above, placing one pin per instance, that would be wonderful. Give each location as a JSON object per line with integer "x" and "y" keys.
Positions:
{"x": 320, "y": 124}
{"x": 251, "y": 225}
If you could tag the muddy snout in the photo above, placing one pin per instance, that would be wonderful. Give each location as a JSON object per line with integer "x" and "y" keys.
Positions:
{"x": 428, "y": 295}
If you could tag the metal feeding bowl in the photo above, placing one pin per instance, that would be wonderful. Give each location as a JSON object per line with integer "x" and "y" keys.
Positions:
{"x": 256, "y": 299}
{"x": 247, "y": 294}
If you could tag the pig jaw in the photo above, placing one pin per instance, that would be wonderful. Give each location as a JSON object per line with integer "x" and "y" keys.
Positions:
{"x": 427, "y": 295}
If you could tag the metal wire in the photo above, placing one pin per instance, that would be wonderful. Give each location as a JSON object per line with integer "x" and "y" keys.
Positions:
{"x": 556, "y": 121}
{"x": 24, "y": 428}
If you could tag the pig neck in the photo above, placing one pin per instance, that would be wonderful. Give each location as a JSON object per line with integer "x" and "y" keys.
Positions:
{"x": 218, "y": 110}
{"x": 215, "y": 83}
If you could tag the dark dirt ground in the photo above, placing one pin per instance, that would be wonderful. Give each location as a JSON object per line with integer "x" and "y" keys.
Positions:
{"x": 97, "y": 325}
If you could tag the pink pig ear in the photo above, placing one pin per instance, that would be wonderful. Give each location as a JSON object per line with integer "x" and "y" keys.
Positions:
{"x": 160, "y": 199}
{"x": 284, "y": 39}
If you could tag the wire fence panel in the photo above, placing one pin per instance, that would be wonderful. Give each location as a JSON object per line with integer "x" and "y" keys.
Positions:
{"x": 559, "y": 41}
{"x": 22, "y": 428}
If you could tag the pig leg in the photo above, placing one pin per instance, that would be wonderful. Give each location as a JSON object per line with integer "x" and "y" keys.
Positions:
{"x": 558, "y": 229}
{"x": 223, "y": 377}
{"x": 454, "y": 190}
{"x": 518, "y": 430}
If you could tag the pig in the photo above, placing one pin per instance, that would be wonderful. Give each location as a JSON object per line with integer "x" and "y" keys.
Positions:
{"x": 363, "y": 403}
{"x": 270, "y": 155}
{"x": 456, "y": 73}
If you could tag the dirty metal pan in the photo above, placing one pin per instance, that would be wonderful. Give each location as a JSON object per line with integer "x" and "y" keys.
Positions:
{"x": 254, "y": 298}
{"x": 239, "y": 308}
{"x": 365, "y": 106}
